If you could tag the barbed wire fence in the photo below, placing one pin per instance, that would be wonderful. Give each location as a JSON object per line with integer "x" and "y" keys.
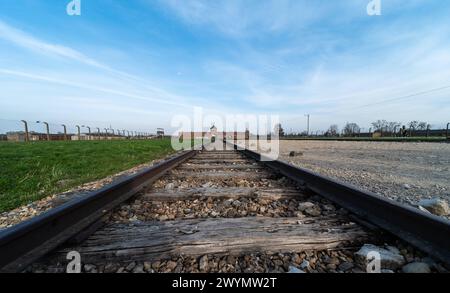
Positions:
{"x": 30, "y": 130}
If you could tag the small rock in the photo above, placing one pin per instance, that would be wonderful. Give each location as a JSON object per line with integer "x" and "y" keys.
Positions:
{"x": 228, "y": 202}
{"x": 296, "y": 259}
{"x": 295, "y": 154}
{"x": 170, "y": 186}
{"x": 88, "y": 267}
{"x": 206, "y": 185}
{"x": 163, "y": 218}
{"x": 147, "y": 266}
{"x": 134, "y": 219}
{"x": 139, "y": 269}
{"x": 237, "y": 203}
{"x": 110, "y": 268}
{"x": 329, "y": 207}
{"x": 299, "y": 215}
{"x": 294, "y": 270}
{"x": 416, "y": 268}
{"x": 436, "y": 206}
{"x": 345, "y": 266}
{"x": 304, "y": 264}
{"x": 156, "y": 265}
{"x": 305, "y": 205}
{"x": 406, "y": 186}
{"x": 171, "y": 265}
{"x": 330, "y": 260}
{"x": 314, "y": 211}
{"x": 331, "y": 266}
{"x": 203, "y": 263}
{"x": 389, "y": 259}
{"x": 130, "y": 266}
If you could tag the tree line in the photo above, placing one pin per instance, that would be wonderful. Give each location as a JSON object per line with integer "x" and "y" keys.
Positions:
{"x": 380, "y": 126}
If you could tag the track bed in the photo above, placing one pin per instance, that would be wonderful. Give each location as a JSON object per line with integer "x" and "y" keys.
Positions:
{"x": 221, "y": 212}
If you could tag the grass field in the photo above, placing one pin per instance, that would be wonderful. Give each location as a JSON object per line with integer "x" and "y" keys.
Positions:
{"x": 31, "y": 171}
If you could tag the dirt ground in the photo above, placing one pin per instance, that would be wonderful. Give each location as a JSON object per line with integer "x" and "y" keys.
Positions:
{"x": 405, "y": 172}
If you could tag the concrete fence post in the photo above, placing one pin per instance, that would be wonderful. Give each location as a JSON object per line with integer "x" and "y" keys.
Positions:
{"x": 27, "y": 136}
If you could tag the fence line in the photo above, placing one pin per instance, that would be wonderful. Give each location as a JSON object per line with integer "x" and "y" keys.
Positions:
{"x": 24, "y": 131}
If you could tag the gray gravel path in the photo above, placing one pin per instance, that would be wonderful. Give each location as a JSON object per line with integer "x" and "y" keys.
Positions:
{"x": 405, "y": 172}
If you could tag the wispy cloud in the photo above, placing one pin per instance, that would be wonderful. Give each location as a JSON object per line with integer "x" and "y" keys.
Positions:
{"x": 244, "y": 18}
{"x": 60, "y": 81}
{"x": 29, "y": 42}
{"x": 375, "y": 65}
{"x": 39, "y": 46}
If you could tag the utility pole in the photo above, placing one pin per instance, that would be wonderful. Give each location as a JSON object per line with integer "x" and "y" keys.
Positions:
{"x": 27, "y": 136}
{"x": 308, "y": 116}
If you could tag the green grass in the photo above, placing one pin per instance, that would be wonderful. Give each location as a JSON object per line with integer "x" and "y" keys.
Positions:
{"x": 31, "y": 171}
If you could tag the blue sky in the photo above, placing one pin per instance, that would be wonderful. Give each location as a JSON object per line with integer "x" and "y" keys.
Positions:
{"x": 136, "y": 63}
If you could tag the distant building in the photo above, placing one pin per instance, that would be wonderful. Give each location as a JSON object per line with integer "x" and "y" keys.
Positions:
{"x": 213, "y": 134}
{"x": 20, "y": 136}
{"x": 160, "y": 132}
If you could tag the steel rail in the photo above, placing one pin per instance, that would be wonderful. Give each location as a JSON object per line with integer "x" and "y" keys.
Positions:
{"x": 24, "y": 243}
{"x": 427, "y": 232}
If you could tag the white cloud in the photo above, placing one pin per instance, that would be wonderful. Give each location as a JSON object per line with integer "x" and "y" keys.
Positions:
{"x": 38, "y": 46}
{"x": 29, "y": 42}
{"x": 244, "y": 18}
{"x": 60, "y": 81}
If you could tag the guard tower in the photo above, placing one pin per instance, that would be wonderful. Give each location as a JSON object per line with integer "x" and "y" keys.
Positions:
{"x": 160, "y": 132}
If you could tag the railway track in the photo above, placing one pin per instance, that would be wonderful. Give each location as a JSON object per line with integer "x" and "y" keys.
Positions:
{"x": 221, "y": 211}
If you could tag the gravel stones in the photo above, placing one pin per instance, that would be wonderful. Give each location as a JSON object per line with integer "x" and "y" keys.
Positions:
{"x": 404, "y": 172}
{"x": 205, "y": 207}
{"x": 302, "y": 262}
{"x": 305, "y": 207}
